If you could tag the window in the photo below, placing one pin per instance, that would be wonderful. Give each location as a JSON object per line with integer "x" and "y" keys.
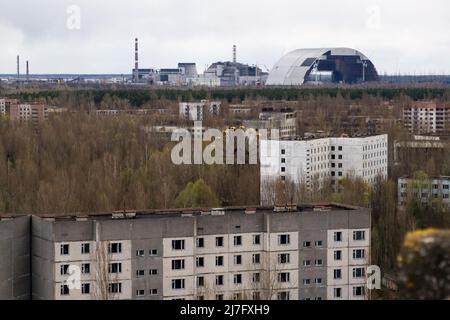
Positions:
{"x": 358, "y": 291}
{"x": 140, "y": 273}
{"x": 283, "y": 151}
{"x": 283, "y": 295}
{"x": 338, "y": 255}
{"x": 340, "y": 148}
{"x": 178, "y": 284}
{"x": 256, "y": 258}
{"x": 153, "y": 292}
{"x": 153, "y": 272}
{"x": 359, "y": 235}
{"x": 332, "y": 148}
{"x": 256, "y": 277}
{"x": 318, "y": 262}
{"x": 284, "y": 239}
{"x": 256, "y": 295}
{"x": 64, "y": 269}
{"x": 283, "y": 277}
{"x": 200, "y": 262}
{"x": 306, "y": 281}
{"x": 318, "y": 280}
{"x": 306, "y": 263}
{"x": 219, "y": 280}
{"x": 337, "y": 292}
{"x": 177, "y": 244}
{"x": 64, "y": 249}
{"x": 140, "y": 253}
{"x": 219, "y": 296}
{"x": 219, "y": 261}
{"x": 337, "y": 273}
{"x": 237, "y": 296}
{"x": 283, "y": 169}
{"x": 115, "y": 268}
{"x": 306, "y": 244}
{"x": 115, "y": 247}
{"x": 115, "y": 287}
{"x": 85, "y": 288}
{"x": 153, "y": 252}
{"x": 200, "y": 242}
{"x": 178, "y": 264}
{"x": 140, "y": 292}
{"x": 358, "y": 272}
{"x": 318, "y": 243}
{"x": 200, "y": 298}
{"x": 200, "y": 282}
{"x": 64, "y": 290}
{"x": 85, "y": 248}
{"x": 85, "y": 268}
{"x": 338, "y": 236}
{"x": 256, "y": 239}
{"x": 237, "y": 240}
{"x": 358, "y": 254}
{"x": 237, "y": 259}
{"x": 284, "y": 258}
{"x": 237, "y": 278}
{"x": 340, "y": 156}
{"x": 219, "y": 241}
{"x": 283, "y": 160}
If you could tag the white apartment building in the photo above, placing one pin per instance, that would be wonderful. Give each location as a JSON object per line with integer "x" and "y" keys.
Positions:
{"x": 427, "y": 117}
{"x": 196, "y": 111}
{"x": 307, "y": 161}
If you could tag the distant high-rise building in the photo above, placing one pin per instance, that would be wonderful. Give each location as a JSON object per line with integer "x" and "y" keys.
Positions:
{"x": 424, "y": 117}
{"x": 196, "y": 111}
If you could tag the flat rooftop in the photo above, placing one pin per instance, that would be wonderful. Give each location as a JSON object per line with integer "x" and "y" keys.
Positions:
{"x": 159, "y": 213}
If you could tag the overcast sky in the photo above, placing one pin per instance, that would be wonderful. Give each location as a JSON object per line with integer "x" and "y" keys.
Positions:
{"x": 407, "y": 36}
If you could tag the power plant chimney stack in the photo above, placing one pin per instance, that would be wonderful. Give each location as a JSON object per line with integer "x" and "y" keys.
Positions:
{"x": 18, "y": 67}
{"x": 28, "y": 72}
{"x": 136, "y": 61}
{"x": 234, "y": 53}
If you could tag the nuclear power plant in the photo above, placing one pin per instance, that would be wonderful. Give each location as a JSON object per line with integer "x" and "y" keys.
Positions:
{"x": 317, "y": 66}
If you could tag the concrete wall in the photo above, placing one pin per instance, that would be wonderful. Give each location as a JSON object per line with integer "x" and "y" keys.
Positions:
{"x": 15, "y": 270}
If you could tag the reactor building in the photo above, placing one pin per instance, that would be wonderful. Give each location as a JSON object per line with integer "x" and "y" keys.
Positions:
{"x": 324, "y": 65}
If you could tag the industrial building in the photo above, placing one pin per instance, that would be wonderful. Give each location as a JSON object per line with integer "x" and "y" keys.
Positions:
{"x": 310, "y": 162}
{"x": 432, "y": 189}
{"x": 425, "y": 117}
{"x": 292, "y": 252}
{"x": 322, "y": 65}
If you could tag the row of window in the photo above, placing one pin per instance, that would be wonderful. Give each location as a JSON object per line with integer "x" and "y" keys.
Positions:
{"x": 356, "y": 273}
{"x": 358, "y": 291}
{"x": 115, "y": 247}
{"x": 86, "y": 288}
{"x": 282, "y": 277}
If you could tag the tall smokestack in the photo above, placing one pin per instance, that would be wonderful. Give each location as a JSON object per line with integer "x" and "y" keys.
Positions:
{"x": 234, "y": 53}
{"x": 28, "y": 72}
{"x": 136, "y": 60}
{"x": 18, "y": 67}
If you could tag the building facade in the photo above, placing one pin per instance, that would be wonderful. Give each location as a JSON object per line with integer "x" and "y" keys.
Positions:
{"x": 2, "y": 107}
{"x": 285, "y": 121}
{"x": 437, "y": 188}
{"x": 286, "y": 253}
{"x": 196, "y": 111}
{"x": 312, "y": 161}
{"x": 28, "y": 112}
{"x": 424, "y": 117}
{"x": 15, "y": 266}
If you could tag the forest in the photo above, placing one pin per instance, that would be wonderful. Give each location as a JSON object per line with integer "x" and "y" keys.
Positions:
{"x": 78, "y": 162}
